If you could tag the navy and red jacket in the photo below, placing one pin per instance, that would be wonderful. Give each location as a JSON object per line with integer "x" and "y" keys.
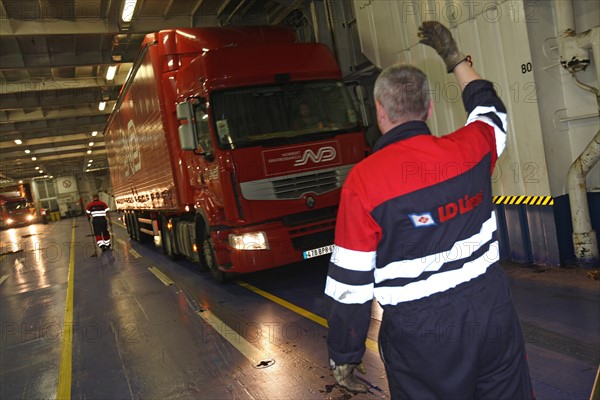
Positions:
{"x": 416, "y": 218}
{"x": 97, "y": 209}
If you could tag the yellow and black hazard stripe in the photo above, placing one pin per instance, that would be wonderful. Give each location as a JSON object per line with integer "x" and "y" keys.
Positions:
{"x": 528, "y": 200}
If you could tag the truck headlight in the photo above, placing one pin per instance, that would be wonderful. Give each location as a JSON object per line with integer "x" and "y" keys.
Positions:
{"x": 249, "y": 241}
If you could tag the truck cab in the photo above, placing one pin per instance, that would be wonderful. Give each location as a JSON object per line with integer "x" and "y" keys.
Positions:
{"x": 15, "y": 211}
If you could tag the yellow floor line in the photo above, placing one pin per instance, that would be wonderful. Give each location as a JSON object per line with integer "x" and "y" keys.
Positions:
{"x": 66, "y": 359}
{"x": 370, "y": 343}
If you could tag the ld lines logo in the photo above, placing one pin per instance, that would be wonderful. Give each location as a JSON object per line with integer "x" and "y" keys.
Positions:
{"x": 301, "y": 158}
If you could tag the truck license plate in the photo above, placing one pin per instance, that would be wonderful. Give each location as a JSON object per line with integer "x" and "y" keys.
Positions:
{"x": 318, "y": 251}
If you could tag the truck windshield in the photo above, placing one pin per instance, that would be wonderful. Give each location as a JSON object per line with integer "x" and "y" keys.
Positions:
{"x": 286, "y": 112}
{"x": 16, "y": 205}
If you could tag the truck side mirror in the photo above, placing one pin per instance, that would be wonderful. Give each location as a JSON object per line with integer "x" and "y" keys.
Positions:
{"x": 184, "y": 111}
{"x": 187, "y": 132}
{"x": 187, "y": 137}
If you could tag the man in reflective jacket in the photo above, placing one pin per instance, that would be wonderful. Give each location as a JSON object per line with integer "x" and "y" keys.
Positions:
{"x": 97, "y": 210}
{"x": 416, "y": 230}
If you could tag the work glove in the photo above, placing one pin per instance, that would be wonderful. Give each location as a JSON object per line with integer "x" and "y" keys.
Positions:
{"x": 437, "y": 36}
{"x": 344, "y": 376}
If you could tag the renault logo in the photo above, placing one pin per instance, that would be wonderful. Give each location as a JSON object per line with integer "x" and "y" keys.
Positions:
{"x": 310, "y": 201}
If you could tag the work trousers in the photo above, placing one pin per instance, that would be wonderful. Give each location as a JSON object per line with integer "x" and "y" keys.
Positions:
{"x": 100, "y": 225}
{"x": 465, "y": 343}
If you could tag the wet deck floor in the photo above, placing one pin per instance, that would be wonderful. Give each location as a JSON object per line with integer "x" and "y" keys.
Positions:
{"x": 143, "y": 327}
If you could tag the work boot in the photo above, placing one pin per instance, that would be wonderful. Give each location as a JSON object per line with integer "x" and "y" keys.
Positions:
{"x": 344, "y": 376}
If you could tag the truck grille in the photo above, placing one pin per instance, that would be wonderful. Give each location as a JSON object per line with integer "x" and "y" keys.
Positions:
{"x": 295, "y": 186}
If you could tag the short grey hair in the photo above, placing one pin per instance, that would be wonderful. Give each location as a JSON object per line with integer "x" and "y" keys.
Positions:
{"x": 403, "y": 91}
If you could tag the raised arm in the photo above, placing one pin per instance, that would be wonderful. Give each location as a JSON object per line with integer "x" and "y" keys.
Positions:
{"x": 437, "y": 36}
{"x": 480, "y": 99}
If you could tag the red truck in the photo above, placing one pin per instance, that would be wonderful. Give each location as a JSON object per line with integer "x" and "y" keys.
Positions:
{"x": 15, "y": 210}
{"x": 229, "y": 146}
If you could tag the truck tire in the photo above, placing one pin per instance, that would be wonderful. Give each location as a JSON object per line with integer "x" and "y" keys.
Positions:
{"x": 200, "y": 236}
{"x": 210, "y": 260}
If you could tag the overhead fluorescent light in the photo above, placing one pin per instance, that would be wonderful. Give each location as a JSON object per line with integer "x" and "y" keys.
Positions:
{"x": 91, "y": 144}
{"x": 27, "y": 151}
{"x": 102, "y": 105}
{"x": 128, "y": 9}
{"x": 91, "y": 161}
{"x": 94, "y": 133}
{"x": 33, "y": 158}
{"x": 37, "y": 167}
{"x": 18, "y": 141}
{"x": 89, "y": 151}
{"x": 110, "y": 73}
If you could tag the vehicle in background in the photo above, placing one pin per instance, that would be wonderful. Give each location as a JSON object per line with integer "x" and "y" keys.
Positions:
{"x": 15, "y": 210}
{"x": 207, "y": 154}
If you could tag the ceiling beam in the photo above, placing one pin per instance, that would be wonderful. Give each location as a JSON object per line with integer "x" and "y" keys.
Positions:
{"x": 46, "y": 113}
{"x": 223, "y": 7}
{"x": 50, "y": 125}
{"x": 237, "y": 8}
{"x": 48, "y": 141}
{"x": 3, "y": 14}
{"x": 39, "y": 85}
{"x": 57, "y": 98}
{"x": 63, "y": 152}
{"x": 17, "y": 61}
{"x": 285, "y": 11}
{"x": 247, "y": 8}
{"x": 35, "y": 133}
{"x": 95, "y": 26}
{"x": 167, "y": 9}
{"x": 195, "y": 9}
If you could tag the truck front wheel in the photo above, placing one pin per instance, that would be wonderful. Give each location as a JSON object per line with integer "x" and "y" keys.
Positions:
{"x": 210, "y": 260}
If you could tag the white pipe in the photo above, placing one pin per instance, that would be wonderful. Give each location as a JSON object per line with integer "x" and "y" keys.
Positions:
{"x": 574, "y": 57}
{"x": 565, "y": 18}
{"x": 565, "y": 26}
{"x": 590, "y": 40}
{"x": 585, "y": 240}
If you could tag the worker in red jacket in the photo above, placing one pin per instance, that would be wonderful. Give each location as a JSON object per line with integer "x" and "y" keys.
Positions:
{"x": 98, "y": 211}
{"x": 416, "y": 230}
